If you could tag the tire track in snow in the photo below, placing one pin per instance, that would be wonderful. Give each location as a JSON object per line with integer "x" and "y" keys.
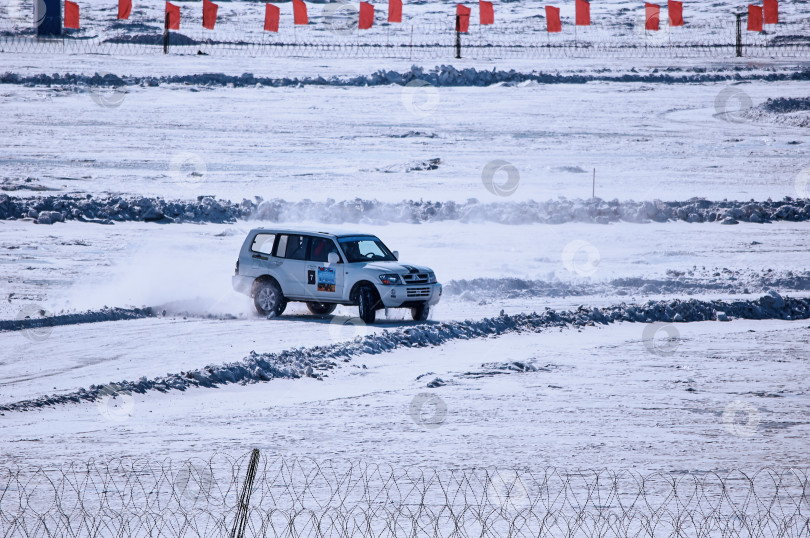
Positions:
{"x": 315, "y": 361}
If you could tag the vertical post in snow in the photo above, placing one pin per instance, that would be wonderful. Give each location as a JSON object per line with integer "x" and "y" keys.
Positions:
{"x": 410, "y": 49}
{"x": 243, "y": 504}
{"x": 593, "y": 185}
{"x": 166, "y": 35}
{"x": 458, "y": 36}
{"x": 739, "y": 35}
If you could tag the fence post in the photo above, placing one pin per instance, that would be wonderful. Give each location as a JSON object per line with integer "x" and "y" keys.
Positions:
{"x": 166, "y": 35}
{"x": 739, "y": 35}
{"x": 238, "y": 530}
{"x": 458, "y": 36}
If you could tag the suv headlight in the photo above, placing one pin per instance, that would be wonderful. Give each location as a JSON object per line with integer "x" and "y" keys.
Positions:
{"x": 431, "y": 278}
{"x": 390, "y": 279}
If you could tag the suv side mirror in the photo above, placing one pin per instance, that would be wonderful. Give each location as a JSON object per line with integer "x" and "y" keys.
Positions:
{"x": 396, "y": 255}
{"x": 332, "y": 258}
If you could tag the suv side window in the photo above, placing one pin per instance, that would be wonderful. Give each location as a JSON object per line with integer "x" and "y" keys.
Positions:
{"x": 320, "y": 249}
{"x": 263, "y": 243}
{"x": 293, "y": 247}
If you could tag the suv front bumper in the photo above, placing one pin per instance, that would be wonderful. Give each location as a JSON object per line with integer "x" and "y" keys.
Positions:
{"x": 397, "y": 296}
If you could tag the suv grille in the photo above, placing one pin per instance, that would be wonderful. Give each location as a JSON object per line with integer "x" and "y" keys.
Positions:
{"x": 415, "y": 278}
{"x": 418, "y": 292}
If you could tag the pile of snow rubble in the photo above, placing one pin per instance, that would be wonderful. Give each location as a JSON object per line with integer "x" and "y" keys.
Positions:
{"x": 443, "y": 75}
{"x": 677, "y": 283}
{"x": 315, "y": 361}
{"x": 110, "y": 209}
{"x": 793, "y": 111}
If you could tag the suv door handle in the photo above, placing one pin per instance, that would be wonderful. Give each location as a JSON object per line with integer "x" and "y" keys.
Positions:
{"x": 260, "y": 257}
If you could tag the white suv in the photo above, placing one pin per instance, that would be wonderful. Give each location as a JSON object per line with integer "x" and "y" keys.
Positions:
{"x": 327, "y": 269}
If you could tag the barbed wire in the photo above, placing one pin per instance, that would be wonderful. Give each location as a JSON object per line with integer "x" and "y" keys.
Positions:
{"x": 303, "y": 498}
{"x": 434, "y": 40}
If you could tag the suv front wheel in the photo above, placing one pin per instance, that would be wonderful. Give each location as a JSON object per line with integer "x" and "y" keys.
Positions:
{"x": 268, "y": 299}
{"x": 366, "y": 302}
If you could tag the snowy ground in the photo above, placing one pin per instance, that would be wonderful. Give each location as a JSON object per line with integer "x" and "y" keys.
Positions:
{"x": 724, "y": 395}
{"x": 378, "y": 142}
{"x": 599, "y": 398}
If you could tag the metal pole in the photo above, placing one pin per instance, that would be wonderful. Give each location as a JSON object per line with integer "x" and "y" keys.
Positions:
{"x": 593, "y": 187}
{"x": 739, "y": 35}
{"x": 166, "y": 35}
{"x": 243, "y": 504}
{"x": 458, "y": 36}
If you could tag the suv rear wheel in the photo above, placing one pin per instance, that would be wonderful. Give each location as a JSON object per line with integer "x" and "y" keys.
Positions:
{"x": 268, "y": 299}
{"x": 321, "y": 309}
{"x": 421, "y": 312}
{"x": 366, "y": 302}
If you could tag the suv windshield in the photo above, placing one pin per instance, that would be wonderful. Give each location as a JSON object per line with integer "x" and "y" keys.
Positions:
{"x": 365, "y": 249}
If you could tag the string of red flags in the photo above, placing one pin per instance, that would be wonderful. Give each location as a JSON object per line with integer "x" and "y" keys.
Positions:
{"x": 272, "y": 15}
{"x": 300, "y": 12}
{"x": 124, "y": 9}
{"x": 486, "y": 12}
{"x": 209, "y": 14}
{"x": 583, "y": 13}
{"x": 463, "y": 18}
{"x": 394, "y": 10}
{"x": 366, "y": 16}
{"x": 71, "y": 14}
{"x": 758, "y": 15}
{"x": 553, "y": 23}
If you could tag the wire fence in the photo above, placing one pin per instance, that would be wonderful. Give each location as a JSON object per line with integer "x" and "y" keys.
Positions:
{"x": 300, "y": 498}
{"x": 333, "y": 37}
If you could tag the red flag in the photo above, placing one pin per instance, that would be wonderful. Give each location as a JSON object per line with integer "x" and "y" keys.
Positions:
{"x": 209, "y": 14}
{"x": 173, "y": 16}
{"x": 653, "y": 15}
{"x": 754, "y": 18}
{"x": 271, "y": 17}
{"x": 771, "y": 9}
{"x": 583, "y": 13}
{"x": 462, "y": 18}
{"x": 553, "y": 23}
{"x": 366, "y": 16}
{"x": 394, "y": 10}
{"x": 71, "y": 14}
{"x": 675, "y": 10}
{"x": 124, "y": 9}
{"x": 300, "y": 12}
{"x": 486, "y": 12}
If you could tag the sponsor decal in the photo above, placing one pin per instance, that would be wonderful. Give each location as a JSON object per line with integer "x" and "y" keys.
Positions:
{"x": 326, "y": 279}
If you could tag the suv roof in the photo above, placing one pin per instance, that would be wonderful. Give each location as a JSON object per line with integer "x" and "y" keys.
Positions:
{"x": 311, "y": 231}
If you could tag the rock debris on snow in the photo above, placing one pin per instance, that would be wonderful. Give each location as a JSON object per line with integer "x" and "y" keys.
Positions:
{"x": 313, "y": 362}
{"x": 107, "y": 210}
{"x": 443, "y": 75}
